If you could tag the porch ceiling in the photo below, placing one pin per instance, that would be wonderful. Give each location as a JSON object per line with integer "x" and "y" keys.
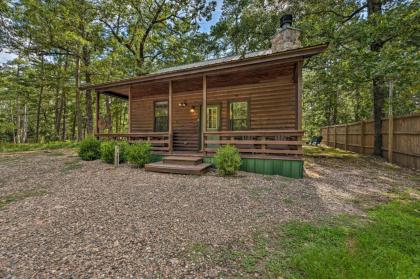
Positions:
{"x": 119, "y": 91}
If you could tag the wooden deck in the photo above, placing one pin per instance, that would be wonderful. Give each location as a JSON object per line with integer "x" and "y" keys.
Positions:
{"x": 179, "y": 165}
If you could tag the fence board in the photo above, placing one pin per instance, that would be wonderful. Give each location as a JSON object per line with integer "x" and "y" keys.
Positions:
{"x": 359, "y": 137}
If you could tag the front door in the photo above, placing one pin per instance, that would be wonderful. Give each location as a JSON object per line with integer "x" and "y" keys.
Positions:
{"x": 213, "y": 122}
{"x": 186, "y": 128}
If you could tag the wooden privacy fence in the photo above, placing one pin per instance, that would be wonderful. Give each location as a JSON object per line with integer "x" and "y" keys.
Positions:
{"x": 400, "y": 138}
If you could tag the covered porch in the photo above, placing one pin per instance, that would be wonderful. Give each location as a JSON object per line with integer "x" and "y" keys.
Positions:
{"x": 194, "y": 115}
{"x": 253, "y": 102}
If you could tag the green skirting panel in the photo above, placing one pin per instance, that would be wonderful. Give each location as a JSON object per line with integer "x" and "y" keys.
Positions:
{"x": 156, "y": 158}
{"x": 283, "y": 167}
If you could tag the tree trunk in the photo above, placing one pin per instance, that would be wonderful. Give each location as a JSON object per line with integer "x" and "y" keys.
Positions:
{"x": 378, "y": 88}
{"x": 38, "y": 108}
{"x": 73, "y": 127}
{"x": 18, "y": 122}
{"x": 89, "y": 101}
{"x": 64, "y": 129}
{"x": 357, "y": 97}
{"x": 77, "y": 105}
{"x": 25, "y": 124}
{"x": 60, "y": 99}
{"x": 378, "y": 106}
{"x": 12, "y": 119}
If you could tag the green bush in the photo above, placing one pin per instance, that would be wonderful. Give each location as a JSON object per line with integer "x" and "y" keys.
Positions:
{"x": 90, "y": 149}
{"x": 227, "y": 160}
{"x": 108, "y": 151}
{"x": 139, "y": 154}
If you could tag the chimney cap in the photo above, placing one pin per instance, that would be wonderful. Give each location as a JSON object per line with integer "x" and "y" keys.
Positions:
{"x": 286, "y": 21}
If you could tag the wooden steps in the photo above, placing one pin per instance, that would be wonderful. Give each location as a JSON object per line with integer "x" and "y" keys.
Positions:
{"x": 179, "y": 165}
{"x": 182, "y": 160}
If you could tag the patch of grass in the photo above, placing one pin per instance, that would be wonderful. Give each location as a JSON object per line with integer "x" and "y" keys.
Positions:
{"x": 71, "y": 165}
{"x": 15, "y": 197}
{"x": 386, "y": 244}
{"x": 251, "y": 259}
{"x": 198, "y": 250}
{"x": 10, "y": 147}
{"x": 288, "y": 200}
{"x": 55, "y": 154}
{"x": 328, "y": 152}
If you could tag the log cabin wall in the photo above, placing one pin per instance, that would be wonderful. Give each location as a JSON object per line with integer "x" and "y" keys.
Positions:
{"x": 271, "y": 93}
{"x": 143, "y": 97}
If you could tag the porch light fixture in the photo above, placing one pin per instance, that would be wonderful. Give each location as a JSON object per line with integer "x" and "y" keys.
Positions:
{"x": 192, "y": 109}
{"x": 182, "y": 104}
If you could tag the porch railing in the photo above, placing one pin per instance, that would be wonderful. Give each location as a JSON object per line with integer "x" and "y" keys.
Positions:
{"x": 161, "y": 141}
{"x": 257, "y": 142}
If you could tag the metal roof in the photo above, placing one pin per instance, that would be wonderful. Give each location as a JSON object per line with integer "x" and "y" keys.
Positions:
{"x": 214, "y": 61}
{"x": 214, "y": 65}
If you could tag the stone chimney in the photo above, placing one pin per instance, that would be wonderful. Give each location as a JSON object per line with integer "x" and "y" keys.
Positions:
{"x": 287, "y": 37}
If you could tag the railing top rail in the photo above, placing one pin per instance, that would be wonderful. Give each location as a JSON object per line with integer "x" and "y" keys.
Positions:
{"x": 133, "y": 134}
{"x": 254, "y": 132}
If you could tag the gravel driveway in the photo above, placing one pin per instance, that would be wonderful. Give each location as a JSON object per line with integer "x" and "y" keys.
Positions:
{"x": 76, "y": 219}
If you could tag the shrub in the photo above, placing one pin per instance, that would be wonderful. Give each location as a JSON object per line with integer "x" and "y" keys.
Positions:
{"x": 227, "y": 160}
{"x": 90, "y": 149}
{"x": 139, "y": 154}
{"x": 108, "y": 151}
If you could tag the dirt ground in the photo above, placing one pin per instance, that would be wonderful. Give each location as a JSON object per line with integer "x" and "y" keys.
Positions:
{"x": 65, "y": 218}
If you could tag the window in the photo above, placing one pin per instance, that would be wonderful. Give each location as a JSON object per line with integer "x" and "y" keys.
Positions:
{"x": 213, "y": 117}
{"x": 161, "y": 116}
{"x": 239, "y": 115}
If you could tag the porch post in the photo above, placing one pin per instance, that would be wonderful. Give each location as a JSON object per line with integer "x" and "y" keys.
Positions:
{"x": 299, "y": 95}
{"x": 129, "y": 109}
{"x": 170, "y": 118}
{"x": 204, "y": 113}
{"x": 97, "y": 113}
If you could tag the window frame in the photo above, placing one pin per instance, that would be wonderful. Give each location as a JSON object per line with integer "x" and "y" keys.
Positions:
{"x": 154, "y": 115}
{"x": 248, "y": 117}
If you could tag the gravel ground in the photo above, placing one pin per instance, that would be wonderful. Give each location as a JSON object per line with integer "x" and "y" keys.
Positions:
{"x": 90, "y": 220}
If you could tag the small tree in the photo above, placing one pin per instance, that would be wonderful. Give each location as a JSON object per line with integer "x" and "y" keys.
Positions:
{"x": 90, "y": 149}
{"x": 227, "y": 160}
{"x": 108, "y": 151}
{"x": 139, "y": 154}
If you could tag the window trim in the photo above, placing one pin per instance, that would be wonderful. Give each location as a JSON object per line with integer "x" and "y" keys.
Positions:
{"x": 154, "y": 114}
{"x": 248, "y": 122}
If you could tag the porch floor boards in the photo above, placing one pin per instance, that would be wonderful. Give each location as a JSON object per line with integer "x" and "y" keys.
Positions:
{"x": 179, "y": 165}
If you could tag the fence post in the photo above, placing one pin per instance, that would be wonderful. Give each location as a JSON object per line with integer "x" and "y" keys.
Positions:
{"x": 345, "y": 139}
{"x": 390, "y": 137}
{"x": 328, "y": 140}
{"x": 390, "y": 123}
{"x": 335, "y": 136}
{"x": 117, "y": 156}
{"x": 362, "y": 136}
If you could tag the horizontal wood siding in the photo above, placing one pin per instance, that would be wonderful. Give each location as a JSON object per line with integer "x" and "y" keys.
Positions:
{"x": 272, "y": 104}
{"x": 270, "y": 91}
{"x": 142, "y": 113}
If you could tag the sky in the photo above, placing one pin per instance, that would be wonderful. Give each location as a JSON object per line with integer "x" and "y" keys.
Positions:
{"x": 204, "y": 27}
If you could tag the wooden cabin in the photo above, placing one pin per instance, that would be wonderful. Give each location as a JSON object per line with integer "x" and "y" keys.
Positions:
{"x": 253, "y": 102}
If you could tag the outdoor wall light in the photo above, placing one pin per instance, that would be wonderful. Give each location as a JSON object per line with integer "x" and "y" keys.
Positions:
{"x": 182, "y": 104}
{"x": 192, "y": 110}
